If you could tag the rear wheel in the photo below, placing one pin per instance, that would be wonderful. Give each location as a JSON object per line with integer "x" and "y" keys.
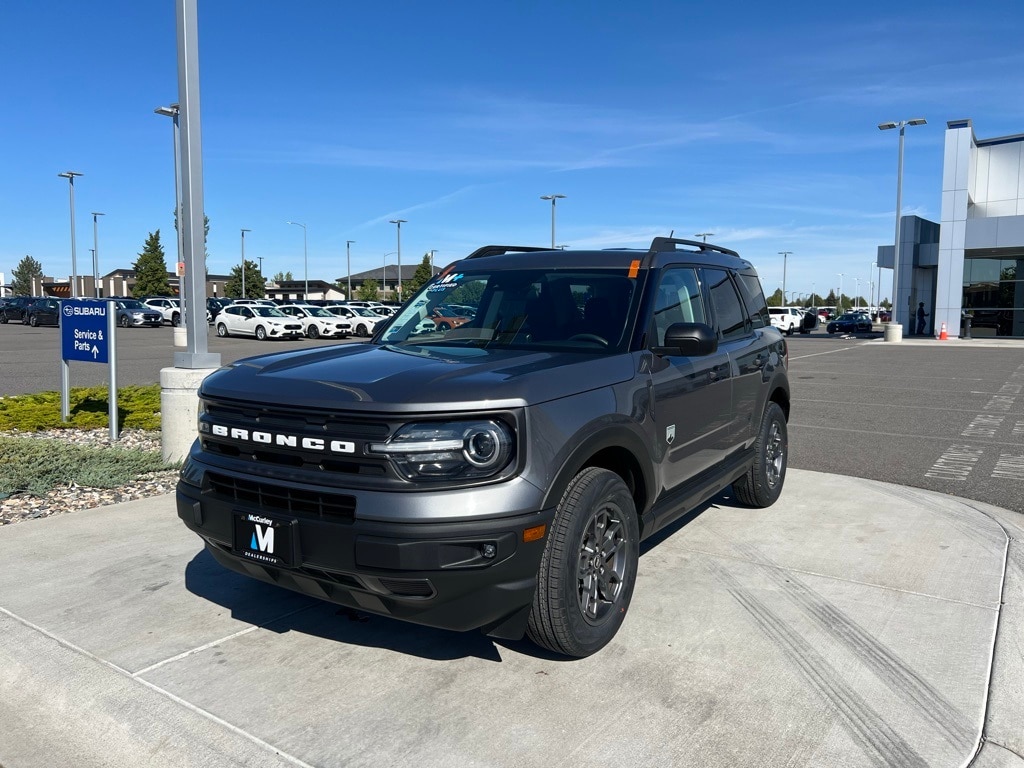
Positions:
{"x": 443, "y": 326}
{"x": 313, "y": 332}
{"x": 588, "y": 568}
{"x": 33, "y": 320}
{"x": 261, "y": 333}
{"x": 3, "y": 319}
{"x": 222, "y": 330}
{"x": 762, "y": 484}
{"x": 124, "y": 321}
{"x": 176, "y": 319}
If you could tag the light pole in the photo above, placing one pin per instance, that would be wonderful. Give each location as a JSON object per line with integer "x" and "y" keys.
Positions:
{"x": 243, "y": 261}
{"x": 432, "y": 252}
{"x": 553, "y": 199}
{"x": 96, "y": 255}
{"x": 348, "y": 260}
{"x": 785, "y": 256}
{"x": 902, "y": 125}
{"x": 305, "y": 257}
{"x": 384, "y": 276}
{"x": 704, "y": 235}
{"x": 70, "y": 176}
{"x": 172, "y": 112}
{"x": 856, "y": 296}
{"x": 839, "y": 300}
{"x": 870, "y": 275}
{"x": 261, "y": 275}
{"x": 398, "y": 223}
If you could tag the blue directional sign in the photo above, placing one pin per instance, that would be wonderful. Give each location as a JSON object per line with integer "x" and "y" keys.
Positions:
{"x": 83, "y": 331}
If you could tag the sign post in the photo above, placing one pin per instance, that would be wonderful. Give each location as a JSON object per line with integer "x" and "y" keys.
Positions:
{"x": 87, "y": 334}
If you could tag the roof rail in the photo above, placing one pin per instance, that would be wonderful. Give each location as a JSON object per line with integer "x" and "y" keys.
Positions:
{"x": 669, "y": 244}
{"x": 497, "y": 250}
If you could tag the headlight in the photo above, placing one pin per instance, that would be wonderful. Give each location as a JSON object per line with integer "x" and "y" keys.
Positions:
{"x": 449, "y": 450}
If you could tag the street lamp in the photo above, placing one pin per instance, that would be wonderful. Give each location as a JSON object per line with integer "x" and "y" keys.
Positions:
{"x": 704, "y": 235}
{"x": 243, "y": 261}
{"x": 96, "y": 255}
{"x": 432, "y": 252}
{"x": 305, "y": 258}
{"x": 348, "y": 259}
{"x": 902, "y": 124}
{"x": 839, "y": 308}
{"x": 172, "y": 112}
{"x": 870, "y": 275}
{"x": 384, "y": 276}
{"x": 785, "y": 255}
{"x": 398, "y": 223}
{"x": 70, "y": 176}
{"x": 553, "y": 199}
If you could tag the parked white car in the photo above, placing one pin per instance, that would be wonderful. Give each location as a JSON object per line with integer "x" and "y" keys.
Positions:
{"x": 317, "y": 321}
{"x": 363, "y": 321}
{"x": 786, "y": 319}
{"x": 169, "y": 308}
{"x": 258, "y": 321}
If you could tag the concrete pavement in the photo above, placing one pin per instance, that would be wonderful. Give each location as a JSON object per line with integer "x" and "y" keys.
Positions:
{"x": 855, "y": 623}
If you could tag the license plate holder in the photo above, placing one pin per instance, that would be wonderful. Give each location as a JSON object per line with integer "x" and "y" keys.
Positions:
{"x": 266, "y": 539}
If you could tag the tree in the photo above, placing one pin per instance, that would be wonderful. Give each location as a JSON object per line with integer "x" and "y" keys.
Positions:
{"x": 280, "y": 277}
{"x": 368, "y": 291}
{"x": 21, "y": 277}
{"x": 254, "y": 287}
{"x": 206, "y": 232}
{"x": 151, "y": 269}
{"x": 775, "y": 300}
{"x": 420, "y": 277}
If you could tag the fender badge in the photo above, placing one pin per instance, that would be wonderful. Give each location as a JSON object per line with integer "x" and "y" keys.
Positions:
{"x": 670, "y": 434}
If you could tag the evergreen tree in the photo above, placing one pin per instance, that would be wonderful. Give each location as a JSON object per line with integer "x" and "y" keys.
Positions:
{"x": 280, "y": 277}
{"x": 254, "y": 287}
{"x": 368, "y": 291}
{"x": 151, "y": 269}
{"x": 775, "y": 300}
{"x": 21, "y": 277}
{"x": 420, "y": 277}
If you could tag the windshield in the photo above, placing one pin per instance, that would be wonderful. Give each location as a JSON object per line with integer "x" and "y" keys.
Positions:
{"x": 582, "y": 310}
{"x": 366, "y": 313}
{"x": 320, "y": 312}
{"x": 267, "y": 311}
{"x": 132, "y": 304}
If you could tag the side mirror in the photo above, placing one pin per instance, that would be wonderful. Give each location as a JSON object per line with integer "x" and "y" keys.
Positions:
{"x": 691, "y": 339}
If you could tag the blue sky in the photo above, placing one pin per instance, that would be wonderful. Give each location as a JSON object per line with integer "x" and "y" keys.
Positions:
{"x": 756, "y": 123}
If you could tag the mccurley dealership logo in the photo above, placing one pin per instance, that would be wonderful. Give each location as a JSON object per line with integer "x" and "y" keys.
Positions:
{"x": 262, "y": 537}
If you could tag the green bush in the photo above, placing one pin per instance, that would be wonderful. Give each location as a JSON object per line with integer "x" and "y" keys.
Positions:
{"x": 36, "y": 466}
{"x": 137, "y": 408}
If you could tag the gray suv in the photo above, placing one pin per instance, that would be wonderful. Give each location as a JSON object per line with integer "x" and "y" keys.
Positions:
{"x": 499, "y": 474}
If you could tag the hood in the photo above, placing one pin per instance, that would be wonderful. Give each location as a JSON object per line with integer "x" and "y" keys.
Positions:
{"x": 374, "y": 378}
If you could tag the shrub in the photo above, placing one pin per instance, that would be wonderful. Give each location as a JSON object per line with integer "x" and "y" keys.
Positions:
{"x": 138, "y": 407}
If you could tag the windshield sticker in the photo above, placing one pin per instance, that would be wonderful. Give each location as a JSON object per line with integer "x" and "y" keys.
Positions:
{"x": 446, "y": 283}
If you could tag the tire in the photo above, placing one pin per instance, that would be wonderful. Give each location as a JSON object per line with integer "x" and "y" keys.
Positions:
{"x": 222, "y": 330}
{"x": 577, "y": 609}
{"x": 261, "y": 333}
{"x": 3, "y": 319}
{"x": 443, "y": 327}
{"x": 176, "y": 319}
{"x": 313, "y": 332}
{"x": 762, "y": 484}
{"x": 33, "y": 320}
{"x": 124, "y": 321}
{"x": 361, "y": 330}
{"x": 789, "y": 331}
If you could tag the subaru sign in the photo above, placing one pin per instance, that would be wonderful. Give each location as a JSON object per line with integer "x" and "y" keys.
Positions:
{"x": 83, "y": 331}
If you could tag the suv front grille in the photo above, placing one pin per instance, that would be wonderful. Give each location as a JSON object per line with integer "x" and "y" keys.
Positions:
{"x": 280, "y": 498}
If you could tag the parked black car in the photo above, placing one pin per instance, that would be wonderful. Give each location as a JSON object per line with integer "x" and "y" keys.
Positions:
{"x": 42, "y": 312}
{"x": 850, "y": 322}
{"x": 13, "y": 309}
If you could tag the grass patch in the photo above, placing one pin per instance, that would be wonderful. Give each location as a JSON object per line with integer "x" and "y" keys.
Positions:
{"x": 137, "y": 408}
{"x": 36, "y": 466}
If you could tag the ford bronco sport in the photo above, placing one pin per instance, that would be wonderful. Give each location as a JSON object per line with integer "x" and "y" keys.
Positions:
{"x": 499, "y": 474}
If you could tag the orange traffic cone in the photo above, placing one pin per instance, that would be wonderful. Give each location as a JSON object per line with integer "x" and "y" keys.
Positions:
{"x": 943, "y": 336}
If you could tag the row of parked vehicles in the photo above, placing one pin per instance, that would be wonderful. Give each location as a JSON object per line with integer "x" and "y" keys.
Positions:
{"x": 259, "y": 318}
{"x": 805, "y": 319}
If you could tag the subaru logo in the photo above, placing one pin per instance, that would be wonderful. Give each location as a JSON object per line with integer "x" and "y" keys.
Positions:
{"x": 67, "y": 310}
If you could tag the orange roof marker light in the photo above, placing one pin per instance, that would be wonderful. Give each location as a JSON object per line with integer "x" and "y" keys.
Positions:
{"x": 634, "y": 269}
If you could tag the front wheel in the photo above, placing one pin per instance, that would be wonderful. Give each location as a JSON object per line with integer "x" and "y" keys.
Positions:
{"x": 361, "y": 330}
{"x": 33, "y": 320}
{"x": 261, "y": 333}
{"x": 222, "y": 330}
{"x": 313, "y": 332}
{"x": 762, "y": 484}
{"x": 124, "y": 321}
{"x": 588, "y": 568}
{"x": 176, "y": 319}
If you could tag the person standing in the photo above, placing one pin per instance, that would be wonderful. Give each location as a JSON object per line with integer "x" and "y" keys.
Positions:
{"x": 921, "y": 315}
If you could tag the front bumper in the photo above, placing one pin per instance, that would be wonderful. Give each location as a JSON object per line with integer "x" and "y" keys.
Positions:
{"x": 456, "y": 575}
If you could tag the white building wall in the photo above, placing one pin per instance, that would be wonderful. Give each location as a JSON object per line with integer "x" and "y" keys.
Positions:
{"x": 958, "y": 178}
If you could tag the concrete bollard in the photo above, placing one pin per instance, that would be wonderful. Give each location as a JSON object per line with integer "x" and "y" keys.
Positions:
{"x": 180, "y": 336}
{"x": 894, "y": 332}
{"x": 179, "y": 406}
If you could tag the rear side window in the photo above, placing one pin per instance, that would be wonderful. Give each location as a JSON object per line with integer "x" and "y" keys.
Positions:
{"x": 729, "y": 310}
{"x": 753, "y": 297}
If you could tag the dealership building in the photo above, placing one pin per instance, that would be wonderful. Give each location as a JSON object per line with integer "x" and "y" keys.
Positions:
{"x": 973, "y": 260}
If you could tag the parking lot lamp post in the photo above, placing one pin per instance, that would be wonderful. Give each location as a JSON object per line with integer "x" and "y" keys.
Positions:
{"x": 70, "y": 176}
{"x": 902, "y": 124}
{"x": 348, "y": 267}
{"x": 553, "y": 199}
{"x": 839, "y": 299}
{"x": 432, "y": 252}
{"x": 243, "y": 261}
{"x": 305, "y": 258}
{"x": 398, "y": 223}
{"x": 785, "y": 255}
{"x": 263, "y": 288}
{"x": 384, "y": 276}
{"x": 96, "y": 255}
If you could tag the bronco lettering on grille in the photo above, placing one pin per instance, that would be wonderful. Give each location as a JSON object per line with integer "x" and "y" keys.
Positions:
{"x": 285, "y": 441}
